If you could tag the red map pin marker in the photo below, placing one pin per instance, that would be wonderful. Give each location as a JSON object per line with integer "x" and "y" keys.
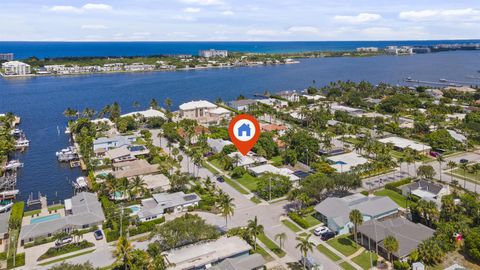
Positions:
{"x": 244, "y": 131}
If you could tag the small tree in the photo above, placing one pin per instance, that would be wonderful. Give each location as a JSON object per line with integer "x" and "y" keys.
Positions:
{"x": 281, "y": 237}
{"x": 356, "y": 218}
{"x": 304, "y": 245}
{"x": 254, "y": 229}
{"x": 391, "y": 245}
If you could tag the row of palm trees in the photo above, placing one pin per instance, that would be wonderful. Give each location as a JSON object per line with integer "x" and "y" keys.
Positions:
{"x": 134, "y": 188}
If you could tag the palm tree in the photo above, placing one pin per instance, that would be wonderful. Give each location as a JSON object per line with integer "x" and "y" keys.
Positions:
{"x": 304, "y": 245}
{"x": 70, "y": 113}
{"x": 391, "y": 245}
{"x": 281, "y": 237}
{"x": 123, "y": 252}
{"x": 76, "y": 235}
{"x": 136, "y": 104}
{"x": 356, "y": 218}
{"x": 227, "y": 207}
{"x": 138, "y": 186}
{"x": 440, "y": 160}
{"x": 464, "y": 167}
{"x": 451, "y": 165}
{"x": 254, "y": 229}
{"x": 168, "y": 103}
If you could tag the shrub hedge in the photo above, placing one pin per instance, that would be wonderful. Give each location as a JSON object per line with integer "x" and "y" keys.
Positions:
{"x": 299, "y": 220}
{"x": 394, "y": 185}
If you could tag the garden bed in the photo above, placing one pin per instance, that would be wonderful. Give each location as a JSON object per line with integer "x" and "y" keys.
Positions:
{"x": 69, "y": 248}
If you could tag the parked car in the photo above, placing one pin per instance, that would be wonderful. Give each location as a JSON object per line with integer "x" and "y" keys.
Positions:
{"x": 63, "y": 241}
{"x": 220, "y": 179}
{"x": 98, "y": 234}
{"x": 463, "y": 160}
{"x": 328, "y": 235}
{"x": 320, "y": 230}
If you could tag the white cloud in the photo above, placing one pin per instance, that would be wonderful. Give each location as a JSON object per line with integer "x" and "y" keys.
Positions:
{"x": 184, "y": 18}
{"x": 228, "y": 13}
{"x": 65, "y": 9}
{"x": 360, "y": 18}
{"x": 191, "y": 10}
{"x": 99, "y": 7}
{"x": 303, "y": 30}
{"x": 79, "y": 10}
{"x": 94, "y": 27}
{"x": 203, "y": 2}
{"x": 467, "y": 14}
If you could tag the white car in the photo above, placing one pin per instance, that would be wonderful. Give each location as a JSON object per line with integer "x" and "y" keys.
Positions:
{"x": 320, "y": 230}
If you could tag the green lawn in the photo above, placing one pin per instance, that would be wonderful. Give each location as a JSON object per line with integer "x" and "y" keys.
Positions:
{"x": 55, "y": 207}
{"x": 469, "y": 176}
{"x": 67, "y": 257}
{"x": 248, "y": 181}
{"x": 255, "y": 199}
{"x": 277, "y": 160}
{"x": 271, "y": 245}
{"x": 347, "y": 266}
{"x": 363, "y": 260}
{"x": 312, "y": 221}
{"x": 334, "y": 257}
{"x": 232, "y": 183}
{"x": 264, "y": 254}
{"x": 344, "y": 244}
{"x": 291, "y": 225}
{"x": 216, "y": 163}
{"x": 396, "y": 197}
{"x": 32, "y": 212}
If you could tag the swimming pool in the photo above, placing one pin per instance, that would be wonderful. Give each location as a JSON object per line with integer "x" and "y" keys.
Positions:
{"x": 45, "y": 218}
{"x": 136, "y": 148}
{"x": 135, "y": 208}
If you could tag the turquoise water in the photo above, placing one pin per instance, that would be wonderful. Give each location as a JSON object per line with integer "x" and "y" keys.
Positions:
{"x": 134, "y": 208}
{"x": 45, "y": 218}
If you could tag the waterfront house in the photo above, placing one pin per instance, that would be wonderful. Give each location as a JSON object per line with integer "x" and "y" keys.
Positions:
{"x": 349, "y": 110}
{"x": 150, "y": 113}
{"x": 217, "y": 145}
{"x": 203, "y": 112}
{"x": 242, "y": 104}
{"x": 16, "y": 68}
{"x": 162, "y": 203}
{"x": 113, "y": 142}
{"x": 334, "y": 212}
{"x": 277, "y": 103}
{"x": 204, "y": 255}
{"x": 408, "y": 234}
{"x": 291, "y": 96}
{"x": 119, "y": 154}
{"x": 82, "y": 211}
{"x": 426, "y": 190}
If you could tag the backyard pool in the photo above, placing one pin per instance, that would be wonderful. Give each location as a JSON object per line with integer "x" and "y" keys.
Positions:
{"x": 135, "y": 208}
{"x": 45, "y": 218}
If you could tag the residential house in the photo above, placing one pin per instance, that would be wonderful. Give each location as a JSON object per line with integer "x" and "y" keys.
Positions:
{"x": 426, "y": 190}
{"x": 291, "y": 96}
{"x": 345, "y": 162}
{"x": 403, "y": 143}
{"x": 242, "y": 104}
{"x": 408, "y": 234}
{"x": 334, "y": 211}
{"x": 268, "y": 168}
{"x": 162, "y": 203}
{"x": 203, "y": 111}
{"x": 277, "y": 103}
{"x": 251, "y": 262}
{"x": 217, "y": 145}
{"x": 150, "y": 113}
{"x": 349, "y": 110}
{"x": 204, "y": 255}
{"x": 213, "y": 53}
{"x": 113, "y": 142}
{"x": 274, "y": 128}
{"x": 250, "y": 159}
{"x": 130, "y": 169}
{"x": 82, "y": 211}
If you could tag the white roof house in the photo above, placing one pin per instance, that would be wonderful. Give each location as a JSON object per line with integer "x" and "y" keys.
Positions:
{"x": 217, "y": 145}
{"x": 250, "y": 159}
{"x": 457, "y": 136}
{"x": 160, "y": 203}
{"x": 402, "y": 143}
{"x": 268, "y": 168}
{"x": 197, "y": 256}
{"x": 345, "y": 162}
{"x": 192, "y": 105}
{"x": 147, "y": 113}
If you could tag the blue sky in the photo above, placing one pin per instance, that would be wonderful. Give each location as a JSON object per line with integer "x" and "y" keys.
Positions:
{"x": 231, "y": 20}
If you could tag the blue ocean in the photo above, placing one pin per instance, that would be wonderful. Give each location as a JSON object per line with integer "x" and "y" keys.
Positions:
{"x": 24, "y": 50}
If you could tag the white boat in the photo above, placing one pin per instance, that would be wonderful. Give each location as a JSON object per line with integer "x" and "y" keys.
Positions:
{"x": 80, "y": 182}
{"x": 67, "y": 154}
{"x": 4, "y": 208}
{"x": 22, "y": 143}
{"x": 13, "y": 164}
{"x": 16, "y": 132}
{"x": 67, "y": 130}
{"x": 8, "y": 194}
